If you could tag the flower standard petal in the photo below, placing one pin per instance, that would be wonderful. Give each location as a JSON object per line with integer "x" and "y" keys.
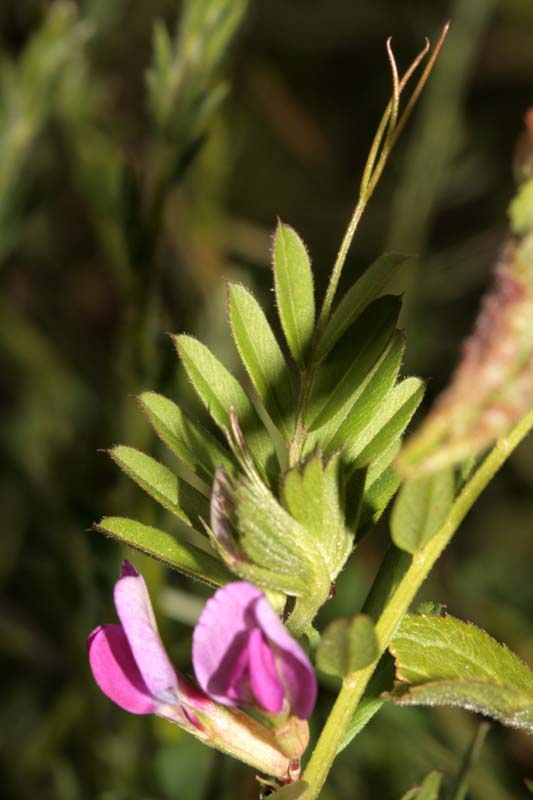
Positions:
{"x": 115, "y": 671}
{"x": 294, "y": 667}
{"x": 242, "y": 654}
{"x": 137, "y": 617}
{"x": 220, "y": 643}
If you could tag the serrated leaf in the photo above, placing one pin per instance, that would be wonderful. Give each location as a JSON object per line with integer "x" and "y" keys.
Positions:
{"x": 428, "y": 790}
{"x": 421, "y": 508}
{"x": 347, "y": 645}
{"x": 366, "y": 289}
{"x": 272, "y": 539}
{"x": 262, "y": 356}
{"x": 188, "y": 441}
{"x": 387, "y": 425}
{"x": 341, "y": 378}
{"x": 293, "y": 280}
{"x": 160, "y": 483}
{"x": 220, "y": 391}
{"x": 444, "y": 661}
{"x": 181, "y": 556}
{"x": 366, "y": 405}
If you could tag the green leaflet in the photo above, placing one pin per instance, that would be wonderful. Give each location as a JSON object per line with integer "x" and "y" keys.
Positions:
{"x": 360, "y": 295}
{"x": 181, "y": 556}
{"x": 387, "y": 425}
{"x": 421, "y": 508}
{"x": 373, "y": 395}
{"x": 293, "y": 281}
{"x": 347, "y": 645}
{"x": 189, "y": 442}
{"x": 262, "y": 356}
{"x": 376, "y": 498}
{"x": 163, "y": 485}
{"x": 444, "y": 661}
{"x": 220, "y": 391}
{"x": 313, "y": 495}
{"x": 428, "y": 789}
{"x": 341, "y": 378}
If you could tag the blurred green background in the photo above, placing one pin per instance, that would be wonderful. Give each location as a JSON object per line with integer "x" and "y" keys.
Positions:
{"x": 122, "y": 211}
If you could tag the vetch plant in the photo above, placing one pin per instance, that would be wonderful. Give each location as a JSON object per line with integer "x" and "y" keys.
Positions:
{"x": 304, "y": 465}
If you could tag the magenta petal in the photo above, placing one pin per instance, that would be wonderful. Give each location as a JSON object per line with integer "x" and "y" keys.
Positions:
{"x": 294, "y": 667}
{"x": 115, "y": 670}
{"x": 137, "y": 617}
{"x": 242, "y": 654}
{"x": 264, "y": 678}
{"x": 220, "y": 642}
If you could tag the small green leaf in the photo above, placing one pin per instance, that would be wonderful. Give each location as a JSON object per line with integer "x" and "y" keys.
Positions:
{"x": 262, "y": 356}
{"x": 428, "y": 790}
{"x": 293, "y": 281}
{"x": 356, "y": 299}
{"x": 444, "y": 661}
{"x": 293, "y": 791}
{"x": 420, "y": 509}
{"x": 341, "y": 378}
{"x": 313, "y": 495}
{"x": 166, "y": 548}
{"x": 347, "y": 645}
{"x": 189, "y": 442}
{"x": 387, "y": 425}
{"x": 220, "y": 391}
{"x": 160, "y": 483}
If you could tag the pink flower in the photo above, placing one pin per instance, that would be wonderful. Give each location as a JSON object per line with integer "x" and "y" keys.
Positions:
{"x": 131, "y": 666}
{"x": 243, "y": 655}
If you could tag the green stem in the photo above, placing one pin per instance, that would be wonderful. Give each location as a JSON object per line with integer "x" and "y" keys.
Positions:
{"x": 395, "y": 594}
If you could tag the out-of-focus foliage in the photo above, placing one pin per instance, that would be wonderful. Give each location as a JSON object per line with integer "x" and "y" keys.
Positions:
{"x": 125, "y": 200}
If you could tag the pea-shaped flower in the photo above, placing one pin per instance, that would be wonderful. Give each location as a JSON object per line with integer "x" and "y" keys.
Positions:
{"x": 131, "y": 666}
{"x": 243, "y": 655}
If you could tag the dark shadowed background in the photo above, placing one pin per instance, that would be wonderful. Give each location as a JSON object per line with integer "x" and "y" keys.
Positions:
{"x": 85, "y": 301}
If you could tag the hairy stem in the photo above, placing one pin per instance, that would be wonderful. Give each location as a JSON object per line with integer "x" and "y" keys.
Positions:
{"x": 396, "y": 585}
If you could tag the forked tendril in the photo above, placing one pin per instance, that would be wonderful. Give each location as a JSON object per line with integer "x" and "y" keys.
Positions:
{"x": 388, "y": 132}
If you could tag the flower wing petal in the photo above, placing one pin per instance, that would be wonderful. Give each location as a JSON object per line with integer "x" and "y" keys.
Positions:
{"x": 115, "y": 671}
